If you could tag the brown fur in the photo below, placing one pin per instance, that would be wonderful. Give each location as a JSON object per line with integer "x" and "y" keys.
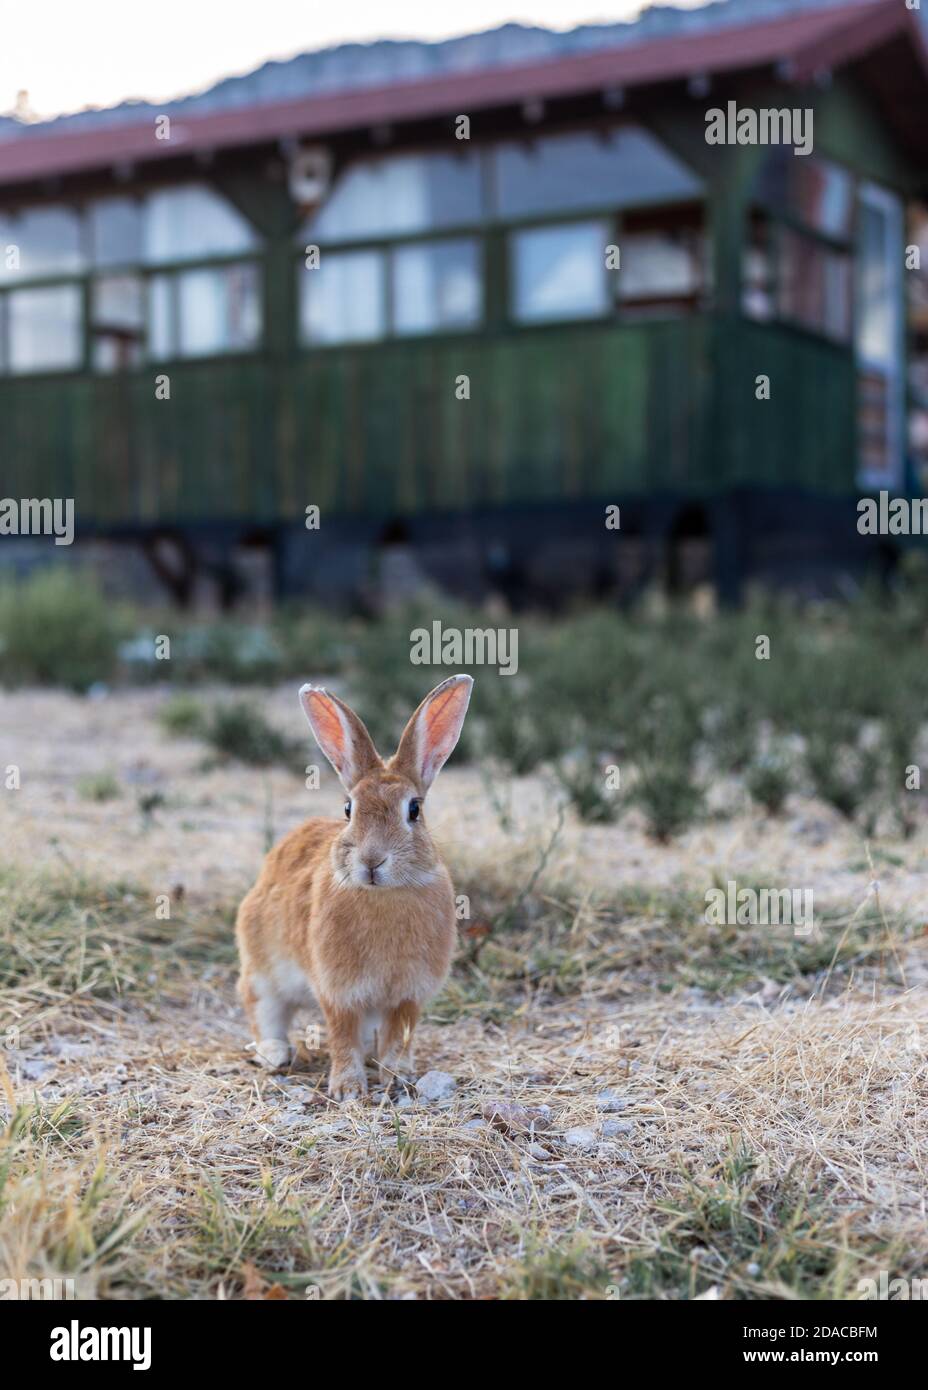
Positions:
{"x": 360, "y": 912}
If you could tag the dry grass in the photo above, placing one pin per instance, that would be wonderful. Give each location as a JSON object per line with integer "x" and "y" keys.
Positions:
{"x": 768, "y": 1135}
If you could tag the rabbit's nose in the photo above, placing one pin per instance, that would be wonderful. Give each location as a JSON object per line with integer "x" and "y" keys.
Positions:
{"x": 372, "y": 865}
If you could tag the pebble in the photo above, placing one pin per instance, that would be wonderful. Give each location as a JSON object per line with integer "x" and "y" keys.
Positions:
{"x": 608, "y": 1103}
{"x": 580, "y": 1137}
{"x": 436, "y": 1085}
{"x": 507, "y": 1117}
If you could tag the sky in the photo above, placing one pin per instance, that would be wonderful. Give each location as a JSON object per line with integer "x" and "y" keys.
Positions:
{"x": 99, "y": 52}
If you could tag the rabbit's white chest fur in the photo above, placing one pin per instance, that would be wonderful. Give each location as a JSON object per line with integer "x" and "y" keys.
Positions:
{"x": 383, "y": 985}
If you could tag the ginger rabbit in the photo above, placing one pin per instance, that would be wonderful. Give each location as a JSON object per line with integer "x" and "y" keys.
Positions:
{"x": 358, "y": 913}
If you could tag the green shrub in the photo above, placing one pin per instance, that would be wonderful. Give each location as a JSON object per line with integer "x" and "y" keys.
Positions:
{"x": 769, "y": 781}
{"x": 583, "y": 777}
{"x": 669, "y": 796}
{"x": 57, "y": 628}
{"x": 844, "y": 770}
{"x": 182, "y": 716}
{"x": 99, "y": 786}
{"x": 239, "y": 730}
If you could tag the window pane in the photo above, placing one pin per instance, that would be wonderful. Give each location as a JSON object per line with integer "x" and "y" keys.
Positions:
{"x": 161, "y": 316}
{"x": 436, "y": 286}
{"x": 660, "y": 265}
{"x": 815, "y": 286}
{"x": 45, "y": 329}
{"x": 388, "y": 197}
{"x": 628, "y": 168}
{"x": 49, "y": 241}
{"x": 559, "y": 272}
{"x": 823, "y": 196}
{"x": 116, "y": 231}
{"x": 218, "y": 310}
{"x": 815, "y": 191}
{"x": 117, "y": 322}
{"x": 876, "y": 290}
{"x": 9, "y": 250}
{"x": 186, "y": 223}
{"x": 757, "y": 271}
{"x": 342, "y": 300}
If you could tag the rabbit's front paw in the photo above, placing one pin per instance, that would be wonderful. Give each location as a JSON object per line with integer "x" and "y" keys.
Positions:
{"x": 273, "y": 1053}
{"x": 397, "y": 1078}
{"x": 347, "y": 1085}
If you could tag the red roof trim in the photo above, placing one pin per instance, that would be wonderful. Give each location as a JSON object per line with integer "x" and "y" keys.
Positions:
{"x": 874, "y": 26}
{"x": 808, "y": 41}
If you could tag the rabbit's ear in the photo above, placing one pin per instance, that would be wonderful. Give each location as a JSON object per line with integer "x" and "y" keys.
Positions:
{"x": 340, "y": 734}
{"x": 431, "y": 734}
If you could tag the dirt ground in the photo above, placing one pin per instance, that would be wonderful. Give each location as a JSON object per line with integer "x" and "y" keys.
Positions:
{"x": 211, "y": 831}
{"x": 223, "y": 1181}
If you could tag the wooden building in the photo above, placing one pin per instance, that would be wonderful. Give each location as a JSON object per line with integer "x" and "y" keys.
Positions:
{"x": 467, "y": 315}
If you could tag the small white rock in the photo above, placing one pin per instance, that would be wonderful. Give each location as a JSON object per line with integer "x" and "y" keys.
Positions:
{"x": 435, "y": 1085}
{"x": 580, "y": 1138}
{"x": 608, "y": 1103}
{"x": 33, "y": 1068}
{"x": 610, "y": 1128}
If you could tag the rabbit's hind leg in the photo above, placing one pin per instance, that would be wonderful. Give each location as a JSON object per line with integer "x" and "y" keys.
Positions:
{"x": 269, "y": 1014}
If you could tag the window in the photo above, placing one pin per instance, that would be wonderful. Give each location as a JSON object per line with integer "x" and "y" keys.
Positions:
{"x": 560, "y": 272}
{"x": 199, "y": 313}
{"x": 44, "y": 329}
{"x": 811, "y": 191}
{"x": 116, "y": 231}
{"x": 798, "y": 257}
{"x": 9, "y": 250}
{"x": 50, "y": 242}
{"x": 399, "y": 197}
{"x": 815, "y": 285}
{"x": 662, "y": 262}
{"x": 162, "y": 317}
{"x": 174, "y": 273}
{"x": 117, "y": 322}
{"x": 426, "y": 218}
{"x": 342, "y": 300}
{"x": 42, "y": 326}
{"x": 758, "y": 278}
{"x": 193, "y": 223}
{"x": 561, "y": 173}
{"x": 436, "y": 285}
{"x": 879, "y": 333}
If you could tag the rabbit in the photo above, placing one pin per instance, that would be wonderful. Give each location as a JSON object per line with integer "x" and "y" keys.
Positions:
{"x": 358, "y": 914}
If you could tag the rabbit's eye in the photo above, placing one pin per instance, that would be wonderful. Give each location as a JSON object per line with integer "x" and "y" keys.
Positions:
{"x": 414, "y": 809}
{"x": 347, "y": 810}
